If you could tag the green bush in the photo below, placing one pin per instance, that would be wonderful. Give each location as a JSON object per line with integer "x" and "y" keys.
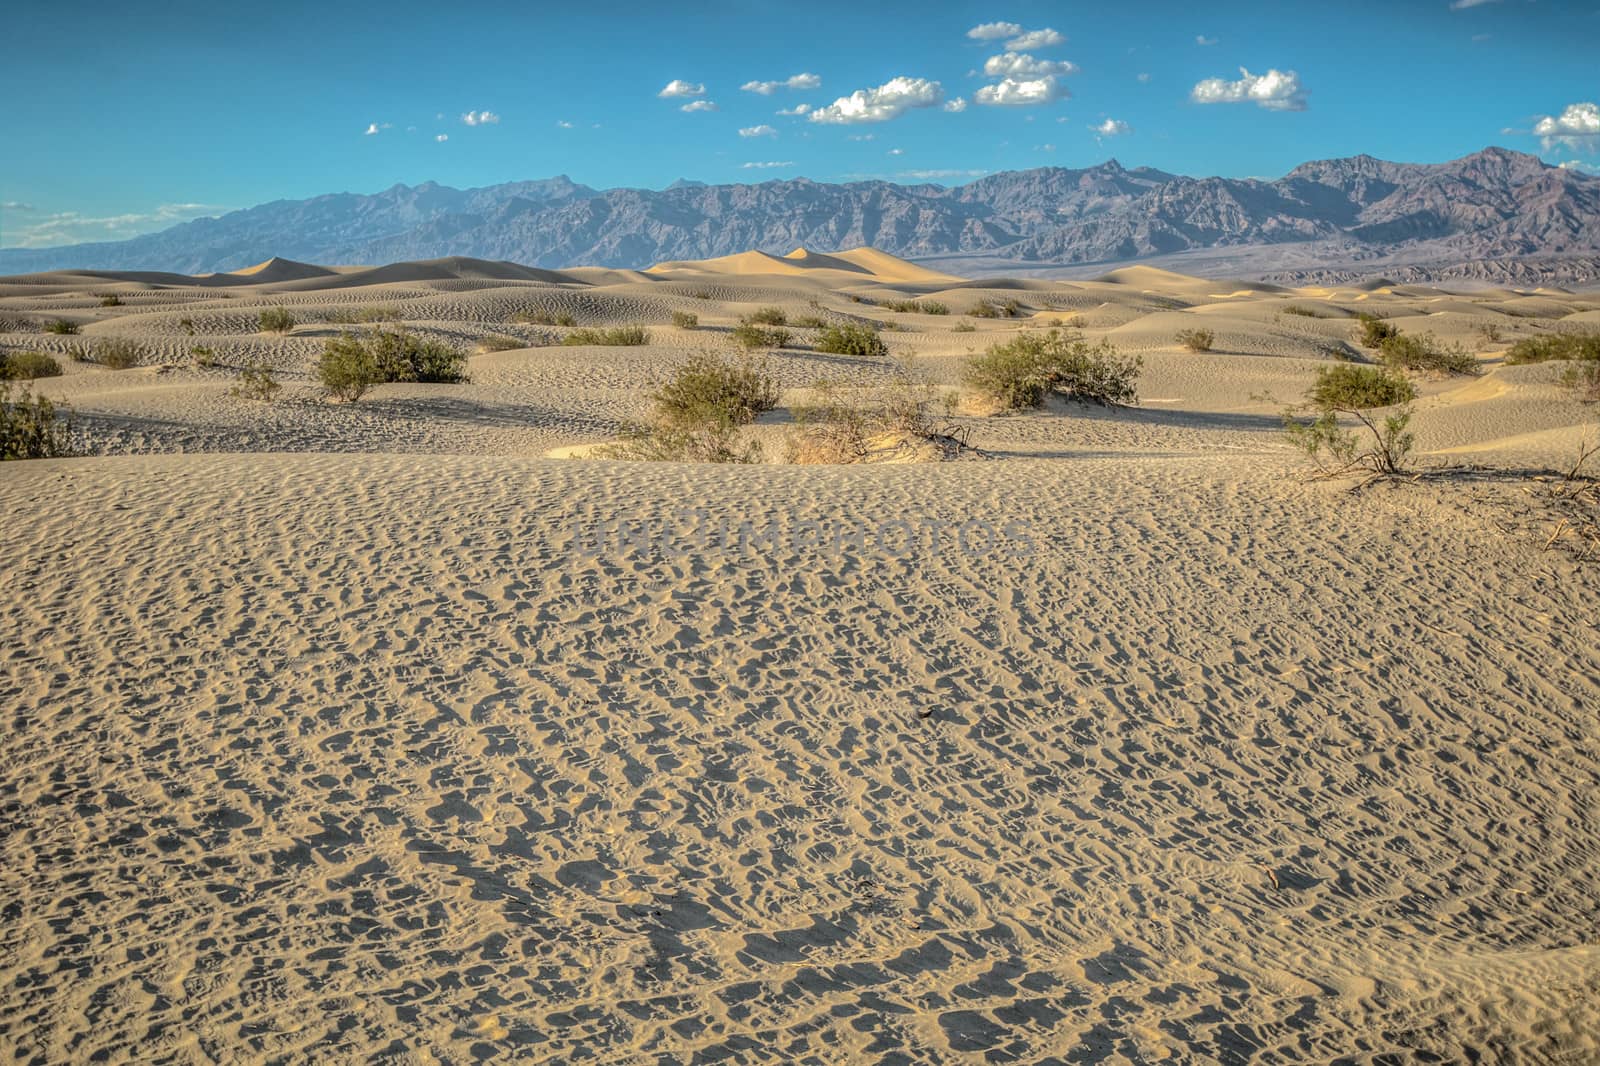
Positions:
{"x": 984, "y": 310}
{"x": 710, "y": 387}
{"x": 500, "y": 342}
{"x": 61, "y": 326}
{"x": 923, "y": 307}
{"x": 1303, "y": 312}
{"x": 256, "y": 382}
{"x": 845, "y": 426}
{"x": 1407, "y": 351}
{"x": 768, "y": 316}
{"x": 685, "y": 319}
{"x": 964, "y": 327}
{"x": 276, "y": 320}
{"x": 113, "y": 353}
{"x": 1373, "y": 331}
{"x": 26, "y": 366}
{"x": 750, "y": 336}
{"x": 363, "y": 315}
{"x": 1574, "y": 345}
{"x": 852, "y": 338}
{"x": 1019, "y": 373}
{"x": 204, "y": 357}
{"x": 1356, "y": 391}
{"x": 111, "y": 301}
{"x": 346, "y": 369}
{"x": 617, "y": 336}
{"x": 30, "y": 426}
{"x": 406, "y": 357}
{"x": 809, "y": 322}
{"x": 1196, "y": 340}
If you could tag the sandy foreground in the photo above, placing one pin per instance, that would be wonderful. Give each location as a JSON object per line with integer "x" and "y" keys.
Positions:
{"x": 371, "y": 732}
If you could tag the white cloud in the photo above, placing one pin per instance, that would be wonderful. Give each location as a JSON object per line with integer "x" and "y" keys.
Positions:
{"x": 765, "y": 166}
{"x": 16, "y": 205}
{"x": 863, "y": 136}
{"x": 1020, "y": 92}
{"x": 1144, "y": 79}
{"x": 762, "y": 130}
{"x": 374, "y": 128}
{"x": 1578, "y": 127}
{"x": 1021, "y": 64}
{"x": 1571, "y": 164}
{"x": 1203, "y": 41}
{"x": 956, "y": 106}
{"x": 441, "y": 138}
{"x": 890, "y": 100}
{"x": 994, "y": 31}
{"x": 562, "y": 123}
{"x": 797, "y": 81}
{"x": 677, "y": 87}
{"x": 70, "y": 227}
{"x": 1112, "y": 127}
{"x": 481, "y": 118}
{"x": 897, "y": 151}
{"x": 1032, "y": 39}
{"x": 935, "y": 175}
{"x": 699, "y": 105}
{"x": 1275, "y": 90}
{"x": 797, "y": 109}
{"x": 1044, "y": 148}
{"x": 1462, "y": 5}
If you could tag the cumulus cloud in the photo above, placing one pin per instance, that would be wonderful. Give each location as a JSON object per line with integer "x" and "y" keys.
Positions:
{"x": 1275, "y": 90}
{"x": 994, "y": 31}
{"x": 1112, "y": 127}
{"x": 762, "y": 130}
{"x": 1021, "y": 64}
{"x": 1203, "y": 41}
{"x": 956, "y": 106}
{"x": 1578, "y": 127}
{"x": 441, "y": 138}
{"x": 797, "y": 109}
{"x": 765, "y": 166}
{"x": 375, "y": 128}
{"x": 797, "y": 81}
{"x": 481, "y": 118}
{"x": 699, "y": 105}
{"x": 562, "y": 123}
{"x": 677, "y": 88}
{"x": 1021, "y": 92}
{"x": 890, "y": 100}
{"x": 1031, "y": 39}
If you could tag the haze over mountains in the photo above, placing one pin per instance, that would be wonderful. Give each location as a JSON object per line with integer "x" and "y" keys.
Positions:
{"x": 1494, "y": 216}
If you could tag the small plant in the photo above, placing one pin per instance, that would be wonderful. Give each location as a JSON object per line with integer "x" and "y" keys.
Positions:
{"x": 203, "y": 356}
{"x": 1373, "y": 331}
{"x": 850, "y": 427}
{"x": 406, "y": 357}
{"x": 1489, "y": 333}
{"x": 1302, "y": 312}
{"x": 1407, "y": 351}
{"x": 27, "y": 366}
{"x": 113, "y": 353}
{"x": 1196, "y": 340}
{"x": 111, "y": 301}
{"x": 685, "y": 319}
{"x": 363, "y": 315}
{"x": 499, "y": 342}
{"x": 256, "y": 382}
{"x": 750, "y": 336}
{"x": 1020, "y": 373}
{"x": 852, "y": 338}
{"x": 964, "y": 327}
{"x": 188, "y": 325}
{"x": 346, "y": 369}
{"x": 30, "y": 426}
{"x": 710, "y": 387}
{"x": 809, "y": 322}
{"x": 768, "y": 316}
{"x": 1356, "y": 391}
{"x": 1583, "y": 378}
{"x": 617, "y": 336}
{"x": 934, "y": 307}
{"x": 63, "y": 327}
{"x": 984, "y": 310}
{"x": 1577, "y": 345}
{"x": 700, "y": 294}
{"x": 276, "y": 320}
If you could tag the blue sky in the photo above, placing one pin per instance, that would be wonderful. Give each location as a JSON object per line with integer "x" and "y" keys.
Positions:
{"x": 133, "y": 117}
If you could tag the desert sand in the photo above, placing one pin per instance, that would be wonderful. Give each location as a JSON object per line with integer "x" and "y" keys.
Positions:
{"x": 381, "y": 732}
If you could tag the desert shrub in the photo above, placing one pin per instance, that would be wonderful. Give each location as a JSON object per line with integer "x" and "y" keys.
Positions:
{"x": 983, "y": 310}
{"x": 545, "y": 318}
{"x": 1196, "y": 340}
{"x": 1356, "y": 391}
{"x": 62, "y": 326}
{"x": 616, "y": 336}
{"x": 403, "y": 356}
{"x": 924, "y": 307}
{"x": 715, "y": 441}
{"x": 852, "y": 338}
{"x": 1302, "y": 312}
{"x": 256, "y": 382}
{"x": 841, "y": 426}
{"x": 363, "y": 315}
{"x": 203, "y": 356}
{"x": 1407, "y": 351}
{"x": 111, "y": 301}
{"x": 276, "y": 320}
{"x": 113, "y": 353}
{"x": 934, "y": 307}
{"x": 26, "y": 366}
{"x": 700, "y": 294}
{"x": 500, "y": 342}
{"x": 808, "y": 322}
{"x": 187, "y": 324}
{"x": 964, "y": 327}
{"x": 768, "y": 316}
{"x": 346, "y": 369}
{"x": 1575, "y": 345}
{"x": 1373, "y": 331}
{"x": 1019, "y": 373}
{"x": 1583, "y": 378}
{"x": 1489, "y": 333}
{"x": 30, "y": 426}
{"x": 750, "y": 336}
{"x": 685, "y": 319}
{"x": 710, "y": 387}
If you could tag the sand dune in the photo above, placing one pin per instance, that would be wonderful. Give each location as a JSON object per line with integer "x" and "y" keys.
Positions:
{"x": 408, "y": 731}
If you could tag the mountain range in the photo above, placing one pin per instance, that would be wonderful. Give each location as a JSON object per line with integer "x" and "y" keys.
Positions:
{"x": 1493, "y": 216}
